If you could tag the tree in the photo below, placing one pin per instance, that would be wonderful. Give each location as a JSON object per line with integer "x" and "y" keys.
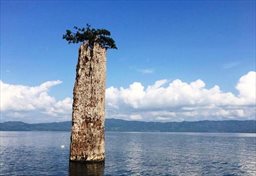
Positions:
{"x": 90, "y": 35}
{"x": 88, "y": 110}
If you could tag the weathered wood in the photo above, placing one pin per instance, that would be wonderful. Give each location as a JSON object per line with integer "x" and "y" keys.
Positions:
{"x": 87, "y": 136}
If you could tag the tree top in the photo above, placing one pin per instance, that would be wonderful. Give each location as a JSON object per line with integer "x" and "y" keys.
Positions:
{"x": 90, "y": 35}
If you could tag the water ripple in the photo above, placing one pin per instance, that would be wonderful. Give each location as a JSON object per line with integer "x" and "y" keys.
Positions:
{"x": 46, "y": 153}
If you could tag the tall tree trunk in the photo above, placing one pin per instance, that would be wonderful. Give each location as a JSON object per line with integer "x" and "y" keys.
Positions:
{"x": 87, "y": 136}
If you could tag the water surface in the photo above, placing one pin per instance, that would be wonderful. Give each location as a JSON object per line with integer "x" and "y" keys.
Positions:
{"x": 46, "y": 153}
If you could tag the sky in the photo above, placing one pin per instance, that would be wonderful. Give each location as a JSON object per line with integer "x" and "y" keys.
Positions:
{"x": 176, "y": 60}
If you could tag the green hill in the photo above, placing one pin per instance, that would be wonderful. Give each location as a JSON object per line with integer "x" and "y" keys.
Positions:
{"x": 231, "y": 126}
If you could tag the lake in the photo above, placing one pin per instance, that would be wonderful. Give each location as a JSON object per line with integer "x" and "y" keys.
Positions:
{"x": 47, "y": 153}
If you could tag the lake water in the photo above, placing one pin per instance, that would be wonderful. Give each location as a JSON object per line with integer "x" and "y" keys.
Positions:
{"x": 46, "y": 153}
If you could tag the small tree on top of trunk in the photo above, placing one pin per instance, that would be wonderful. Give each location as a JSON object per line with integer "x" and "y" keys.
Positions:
{"x": 90, "y": 35}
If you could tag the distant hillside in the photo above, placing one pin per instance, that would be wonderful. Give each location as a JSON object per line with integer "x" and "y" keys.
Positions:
{"x": 21, "y": 126}
{"x": 231, "y": 126}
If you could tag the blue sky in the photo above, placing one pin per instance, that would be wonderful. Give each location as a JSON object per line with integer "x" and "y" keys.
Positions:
{"x": 213, "y": 41}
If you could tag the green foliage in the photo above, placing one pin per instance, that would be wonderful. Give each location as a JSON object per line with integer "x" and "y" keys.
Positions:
{"x": 90, "y": 35}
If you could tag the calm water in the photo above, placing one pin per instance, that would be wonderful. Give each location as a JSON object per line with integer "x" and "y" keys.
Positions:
{"x": 46, "y": 153}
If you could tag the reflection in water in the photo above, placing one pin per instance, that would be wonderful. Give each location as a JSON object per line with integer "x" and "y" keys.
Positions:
{"x": 134, "y": 153}
{"x": 86, "y": 169}
{"x": 131, "y": 154}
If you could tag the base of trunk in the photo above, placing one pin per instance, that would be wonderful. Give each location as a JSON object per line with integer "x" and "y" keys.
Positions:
{"x": 88, "y": 161}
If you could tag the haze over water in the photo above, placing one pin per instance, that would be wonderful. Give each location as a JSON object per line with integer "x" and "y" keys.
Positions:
{"x": 46, "y": 153}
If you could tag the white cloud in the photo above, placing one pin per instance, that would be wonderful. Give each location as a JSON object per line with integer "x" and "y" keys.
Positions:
{"x": 246, "y": 87}
{"x": 231, "y": 65}
{"x": 146, "y": 71}
{"x": 136, "y": 117}
{"x": 178, "y": 100}
{"x": 19, "y": 100}
{"x": 162, "y": 101}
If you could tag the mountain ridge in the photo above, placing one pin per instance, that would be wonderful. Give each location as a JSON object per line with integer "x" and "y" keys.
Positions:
{"x": 227, "y": 126}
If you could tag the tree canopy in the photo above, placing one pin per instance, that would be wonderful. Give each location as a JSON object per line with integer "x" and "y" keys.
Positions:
{"x": 90, "y": 35}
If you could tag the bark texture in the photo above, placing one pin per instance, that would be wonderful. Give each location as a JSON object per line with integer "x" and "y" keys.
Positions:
{"x": 87, "y": 136}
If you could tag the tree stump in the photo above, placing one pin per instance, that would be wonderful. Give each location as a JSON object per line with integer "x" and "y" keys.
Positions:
{"x": 87, "y": 136}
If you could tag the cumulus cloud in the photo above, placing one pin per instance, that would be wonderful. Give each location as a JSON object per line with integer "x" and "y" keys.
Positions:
{"x": 178, "y": 100}
{"x": 20, "y": 101}
{"x": 163, "y": 101}
{"x": 246, "y": 87}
